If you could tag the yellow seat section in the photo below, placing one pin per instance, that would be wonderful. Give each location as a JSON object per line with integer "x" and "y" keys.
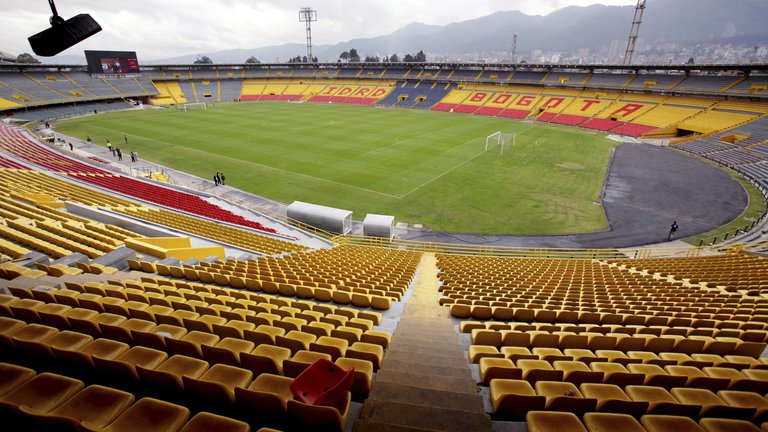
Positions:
{"x": 8, "y": 104}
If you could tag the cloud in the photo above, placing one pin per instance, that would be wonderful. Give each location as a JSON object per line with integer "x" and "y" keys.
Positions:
{"x": 167, "y": 28}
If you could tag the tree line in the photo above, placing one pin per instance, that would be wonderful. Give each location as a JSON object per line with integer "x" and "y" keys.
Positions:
{"x": 352, "y": 56}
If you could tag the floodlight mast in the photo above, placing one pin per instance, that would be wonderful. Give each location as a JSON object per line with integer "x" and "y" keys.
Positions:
{"x": 307, "y": 15}
{"x": 634, "y": 32}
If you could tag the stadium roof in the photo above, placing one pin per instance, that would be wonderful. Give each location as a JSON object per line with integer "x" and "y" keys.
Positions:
{"x": 748, "y": 67}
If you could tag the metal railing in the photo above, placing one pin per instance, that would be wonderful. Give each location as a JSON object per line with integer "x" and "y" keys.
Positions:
{"x": 515, "y": 252}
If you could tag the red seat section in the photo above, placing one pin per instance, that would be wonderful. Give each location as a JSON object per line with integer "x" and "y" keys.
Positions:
{"x": 514, "y": 113}
{"x": 8, "y": 163}
{"x": 546, "y": 116}
{"x": 568, "y": 119}
{"x": 633, "y": 129}
{"x": 489, "y": 111}
{"x": 601, "y": 124}
{"x": 443, "y": 107}
{"x": 289, "y": 97}
{"x": 170, "y": 198}
{"x": 18, "y": 144}
{"x": 466, "y": 108}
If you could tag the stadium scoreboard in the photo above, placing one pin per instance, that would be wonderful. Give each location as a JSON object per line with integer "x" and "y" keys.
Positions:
{"x": 112, "y": 62}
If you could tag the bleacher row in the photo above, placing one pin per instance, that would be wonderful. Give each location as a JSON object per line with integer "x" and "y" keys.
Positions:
{"x": 543, "y": 421}
{"x": 679, "y": 337}
{"x": 363, "y": 278}
{"x": 226, "y": 350}
{"x": 744, "y": 148}
{"x": 44, "y": 88}
{"x": 59, "y": 401}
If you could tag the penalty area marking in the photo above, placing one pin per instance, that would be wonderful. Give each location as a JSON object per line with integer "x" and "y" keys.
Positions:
{"x": 455, "y": 167}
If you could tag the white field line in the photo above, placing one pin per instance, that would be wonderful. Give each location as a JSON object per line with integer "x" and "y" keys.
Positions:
{"x": 451, "y": 169}
{"x": 268, "y": 167}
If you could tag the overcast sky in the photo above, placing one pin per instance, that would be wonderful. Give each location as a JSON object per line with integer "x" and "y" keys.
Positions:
{"x": 159, "y": 29}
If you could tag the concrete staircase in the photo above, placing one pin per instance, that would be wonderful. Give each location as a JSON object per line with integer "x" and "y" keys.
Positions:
{"x": 425, "y": 383}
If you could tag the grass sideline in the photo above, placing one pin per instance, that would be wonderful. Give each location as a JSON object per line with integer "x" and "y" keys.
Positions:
{"x": 421, "y": 166}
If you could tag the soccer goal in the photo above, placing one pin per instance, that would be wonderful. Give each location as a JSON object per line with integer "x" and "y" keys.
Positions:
{"x": 500, "y": 140}
{"x": 193, "y": 105}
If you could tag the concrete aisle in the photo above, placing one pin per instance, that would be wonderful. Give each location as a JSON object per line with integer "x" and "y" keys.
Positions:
{"x": 425, "y": 383}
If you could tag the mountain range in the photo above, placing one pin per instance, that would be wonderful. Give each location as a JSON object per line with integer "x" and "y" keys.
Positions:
{"x": 566, "y": 30}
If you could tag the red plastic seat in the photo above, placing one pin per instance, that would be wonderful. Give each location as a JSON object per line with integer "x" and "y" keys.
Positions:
{"x": 323, "y": 383}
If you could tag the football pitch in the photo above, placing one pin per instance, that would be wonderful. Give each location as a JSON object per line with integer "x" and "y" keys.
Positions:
{"x": 420, "y": 166}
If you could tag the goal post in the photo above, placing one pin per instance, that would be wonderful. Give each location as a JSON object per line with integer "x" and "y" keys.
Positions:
{"x": 194, "y": 105}
{"x": 500, "y": 140}
{"x": 492, "y": 140}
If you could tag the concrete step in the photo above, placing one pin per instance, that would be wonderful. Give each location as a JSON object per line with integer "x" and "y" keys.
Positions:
{"x": 432, "y": 382}
{"x": 374, "y": 426}
{"x": 406, "y": 328}
{"x": 424, "y": 331}
{"x": 443, "y": 342}
{"x": 437, "y": 360}
{"x": 428, "y": 368}
{"x": 426, "y": 348}
{"x": 422, "y": 349}
{"x": 419, "y": 416}
{"x": 425, "y": 312}
{"x": 387, "y": 391}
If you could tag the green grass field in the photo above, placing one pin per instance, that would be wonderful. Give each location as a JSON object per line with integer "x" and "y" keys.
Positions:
{"x": 421, "y": 166}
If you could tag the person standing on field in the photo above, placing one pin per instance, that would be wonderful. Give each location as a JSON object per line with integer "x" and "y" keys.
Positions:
{"x": 672, "y": 230}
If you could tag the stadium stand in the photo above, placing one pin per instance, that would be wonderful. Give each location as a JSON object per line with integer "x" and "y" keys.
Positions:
{"x": 499, "y": 76}
{"x": 21, "y": 146}
{"x": 395, "y": 73}
{"x": 415, "y": 95}
{"x": 706, "y": 84}
{"x": 609, "y": 80}
{"x": 655, "y": 82}
{"x": 41, "y": 93}
{"x": 744, "y": 148}
{"x": 666, "y": 340}
{"x": 523, "y": 77}
{"x": 187, "y": 87}
{"x": 212, "y": 230}
{"x": 452, "y": 100}
{"x": 228, "y": 90}
{"x": 580, "y": 336}
{"x": 460, "y": 76}
{"x": 349, "y": 72}
{"x": 753, "y": 86}
{"x": 169, "y": 93}
{"x": 580, "y": 344}
{"x": 567, "y": 79}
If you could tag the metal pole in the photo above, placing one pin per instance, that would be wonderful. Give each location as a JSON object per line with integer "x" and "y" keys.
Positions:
{"x": 307, "y": 15}
{"x": 634, "y": 32}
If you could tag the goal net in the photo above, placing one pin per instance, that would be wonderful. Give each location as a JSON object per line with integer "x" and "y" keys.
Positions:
{"x": 192, "y": 106}
{"x": 499, "y": 140}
